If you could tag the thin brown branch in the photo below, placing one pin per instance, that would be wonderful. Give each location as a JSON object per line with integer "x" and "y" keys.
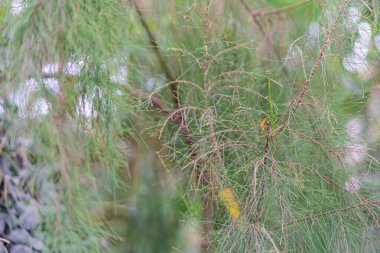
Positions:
{"x": 208, "y": 214}
{"x": 313, "y": 71}
{"x": 214, "y": 140}
{"x": 326, "y": 45}
{"x": 174, "y": 86}
{"x": 203, "y": 175}
{"x": 279, "y": 10}
{"x": 265, "y": 163}
{"x": 322, "y": 214}
{"x": 267, "y": 235}
{"x": 177, "y": 119}
{"x": 268, "y": 39}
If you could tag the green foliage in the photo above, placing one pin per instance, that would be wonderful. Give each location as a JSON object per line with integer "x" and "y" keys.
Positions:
{"x": 282, "y": 3}
{"x": 129, "y": 167}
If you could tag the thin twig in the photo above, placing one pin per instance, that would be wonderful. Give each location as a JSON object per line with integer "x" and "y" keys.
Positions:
{"x": 279, "y": 10}
{"x": 265, "y": 162}
{"x": 311, "y": 217}
{"x": 174, "y": 86}
{"x": 326, "y": 45}
{"x": 261, "y": 29}
{"x": 214, "y": 140}
{"x": 177, "y": 118}
{"x": 203, "y": 175}
{"x": 267, "y": 235}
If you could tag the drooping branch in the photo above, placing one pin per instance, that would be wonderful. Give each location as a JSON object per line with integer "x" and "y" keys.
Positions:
{"x": 268, "y": 39}
{"x": 176, "y": 118}
{"x": 263, "y": 13}
{"x": 179, "y": 118}
{"x": 328, "y": 213}
{"x": 174, "y": 86}
{"x": 313, "y": 71}
{"x": 322, "y": 54}
{"x": 266, "y": 168}
{"x": 271, "y": 134}
{"x": 203, "y": 175}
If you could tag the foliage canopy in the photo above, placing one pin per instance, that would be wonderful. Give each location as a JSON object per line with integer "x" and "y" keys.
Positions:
{"x": 223, "y": 116}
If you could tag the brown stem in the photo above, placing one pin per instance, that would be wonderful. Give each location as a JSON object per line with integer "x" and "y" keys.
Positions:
{"x": 326, "y": 45}
{"x": 174, "y": 86}
{"x": 263, "y": 13}
{"x": 261, "y": 29}
{"x": 204, "y": 176}
{"x": 310, "y": 217}
{"x": 302, "y": 93}
{"x": 262, "y": 183}
{"x": 179, "y": 119}
{"x": 214, "y": 139}
{"x": 208, "y": 218}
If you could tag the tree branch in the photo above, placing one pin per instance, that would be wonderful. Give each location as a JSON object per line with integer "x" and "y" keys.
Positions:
{"x": 261, "y": 29}
{"x": 310, "y": 217}
{"x": 179, "y": 120}
{"x": 263, "y": 13}
{"x": 262, "y": 182}
{"x": 203, "y": 175}
{"x": 313, "y": 71}
{"x": 174, "y": 86}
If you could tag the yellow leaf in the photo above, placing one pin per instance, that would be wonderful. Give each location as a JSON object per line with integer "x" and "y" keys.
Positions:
{"x": 229, "y": 200}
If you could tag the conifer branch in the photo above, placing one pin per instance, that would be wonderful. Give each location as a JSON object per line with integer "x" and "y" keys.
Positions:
{"x": 262, "y": 182}
{"x": 321, "y": 56}
{"x": 328, "y": 213}
{"x": 262, "y": 13}
{"x": 174, "y": 86}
